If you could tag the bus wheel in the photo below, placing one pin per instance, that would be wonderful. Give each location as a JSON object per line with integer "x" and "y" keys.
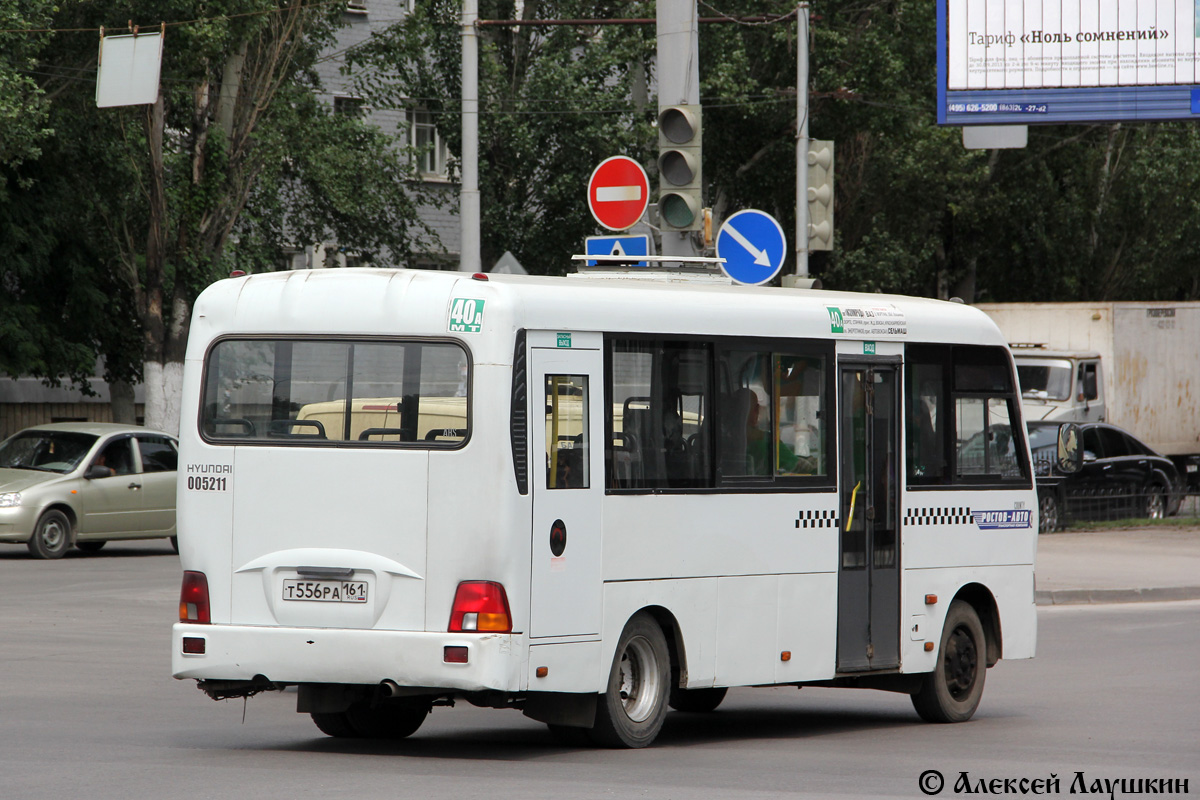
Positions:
{"x": 389, "y": 720}
{"x": 51, "y": 536}
{"x": 631, "y": 712}
{"x": 696, "y": 701}
{"x": 952, "y": 691}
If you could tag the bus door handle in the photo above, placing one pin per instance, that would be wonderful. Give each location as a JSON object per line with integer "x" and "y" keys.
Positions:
{"x": 135, "y": 486}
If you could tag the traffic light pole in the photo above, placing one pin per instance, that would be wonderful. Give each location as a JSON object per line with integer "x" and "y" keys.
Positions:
{"x": 802, "y": 140}
{"x": 678, "y": 34}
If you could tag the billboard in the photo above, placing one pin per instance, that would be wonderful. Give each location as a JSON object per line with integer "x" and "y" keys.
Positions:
{"x": 1023, "y": 62}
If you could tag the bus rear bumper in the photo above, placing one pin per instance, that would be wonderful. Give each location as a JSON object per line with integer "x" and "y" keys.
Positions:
{"x": 318, "y": 655}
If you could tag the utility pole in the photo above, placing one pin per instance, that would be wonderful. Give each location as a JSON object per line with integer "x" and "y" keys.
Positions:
{"x": 678, "y": 34}
{"x": 468, "y": 203}
{"x": 802, "y": 140}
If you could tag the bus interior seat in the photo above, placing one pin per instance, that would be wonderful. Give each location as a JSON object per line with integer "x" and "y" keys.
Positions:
{"x": 626, "y": 461}
{"x": 570, "y": 465}
{"x": 214, "y": 427}
{"x": 287, "y": 427}
{"x": 369, "y": 432}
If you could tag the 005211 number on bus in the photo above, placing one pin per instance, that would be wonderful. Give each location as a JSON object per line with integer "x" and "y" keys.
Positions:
{"x": 204, "y": 483}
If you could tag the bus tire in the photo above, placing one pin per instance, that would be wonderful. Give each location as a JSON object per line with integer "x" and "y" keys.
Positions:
{"x": 696, "y": 701}
{"x": 335, "y": 724}
{"x": 951, "y": 693}
{"x": 631, "y": 712}
{"x": 51, "y": 536}
{"x": 389, "y": 720}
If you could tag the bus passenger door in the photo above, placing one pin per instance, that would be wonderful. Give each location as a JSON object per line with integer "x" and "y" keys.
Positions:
{"x": 868, "y": 572}
{"x": 566, "y": 445}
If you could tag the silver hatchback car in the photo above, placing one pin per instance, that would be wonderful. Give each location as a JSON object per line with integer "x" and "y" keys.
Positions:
{"x": 85, "y": 483}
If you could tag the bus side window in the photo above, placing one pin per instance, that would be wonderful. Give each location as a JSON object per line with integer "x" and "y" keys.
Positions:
{"x": 989, "y": 444}
{"x": 659, "y": 394}
{"x": 567, "y": 432}
{"x": 925, "y": 414}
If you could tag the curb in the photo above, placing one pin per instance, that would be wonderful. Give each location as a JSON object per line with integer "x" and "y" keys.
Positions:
{"x": 1062, "y": 597}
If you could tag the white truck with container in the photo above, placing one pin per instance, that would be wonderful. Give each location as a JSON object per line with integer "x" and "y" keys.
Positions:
{"x": 1132, "y": 364}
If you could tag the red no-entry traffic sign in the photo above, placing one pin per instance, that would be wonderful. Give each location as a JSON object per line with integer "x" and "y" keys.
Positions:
{"x": 618, "y": 193}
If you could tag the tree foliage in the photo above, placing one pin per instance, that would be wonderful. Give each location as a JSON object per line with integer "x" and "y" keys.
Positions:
{"x": 127, "y": 213}
{"x": 23, "y": 105}
{"x": 554, "y": 102}
{"x": 107, "y": 236}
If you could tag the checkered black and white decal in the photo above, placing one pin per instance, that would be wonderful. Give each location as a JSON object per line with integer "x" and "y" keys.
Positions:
{"x": 817, "y": 519}
{"x": 939, "y": 515}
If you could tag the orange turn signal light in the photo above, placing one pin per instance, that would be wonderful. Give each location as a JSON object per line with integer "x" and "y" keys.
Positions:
{"x": 930, "y": 599}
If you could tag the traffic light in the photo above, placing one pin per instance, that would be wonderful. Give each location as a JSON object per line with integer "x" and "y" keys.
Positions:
{"x": 820, "y": 195}
{"x": 679, "y": 182}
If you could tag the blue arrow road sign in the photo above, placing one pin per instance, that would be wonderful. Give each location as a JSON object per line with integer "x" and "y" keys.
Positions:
{"x": 753, "y": 246}
{"x": 618, "y": 246}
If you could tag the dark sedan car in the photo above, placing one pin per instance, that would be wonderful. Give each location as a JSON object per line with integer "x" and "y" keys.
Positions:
{"x": 1121, "y": 477}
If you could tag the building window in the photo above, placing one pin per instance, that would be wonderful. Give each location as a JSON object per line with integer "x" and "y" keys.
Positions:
{"x": 432, "y": 156}
{"x": 348, "y": 106}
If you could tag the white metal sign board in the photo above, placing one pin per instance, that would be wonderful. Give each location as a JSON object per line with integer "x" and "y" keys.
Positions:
{"x": 618, "y": 246}
{"x": 753, "y": 246}
{"x": 129, "y": 70}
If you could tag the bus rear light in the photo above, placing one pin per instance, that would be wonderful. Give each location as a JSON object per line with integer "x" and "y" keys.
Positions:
{"x": 480, "y": 606}
{"x": 193, "y": 645}
{"x": 454, "y": 654}
{"x": 193, "y": 598}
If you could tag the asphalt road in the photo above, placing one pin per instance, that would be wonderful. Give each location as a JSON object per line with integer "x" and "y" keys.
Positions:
{"x": 88, "y": 710}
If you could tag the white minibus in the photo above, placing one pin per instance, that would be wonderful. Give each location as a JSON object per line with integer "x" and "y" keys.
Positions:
{"x": 594, "y": 498}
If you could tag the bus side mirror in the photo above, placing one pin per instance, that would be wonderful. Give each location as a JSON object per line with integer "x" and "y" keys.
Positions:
{"x": 1070, "y": 456}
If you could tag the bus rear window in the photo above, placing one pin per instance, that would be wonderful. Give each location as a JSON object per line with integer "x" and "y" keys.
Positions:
{"x": 310, "y": 392}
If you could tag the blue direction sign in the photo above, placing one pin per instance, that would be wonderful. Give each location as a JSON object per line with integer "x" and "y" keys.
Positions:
{"x": 618, "y": 246}
{"x": 753, "y": 246}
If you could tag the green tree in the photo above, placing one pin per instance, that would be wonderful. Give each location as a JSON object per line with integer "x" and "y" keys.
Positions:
{"x": 22, "y": 102}
{"x": 156, "y": 201}
{"x": 554, "y": 102}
